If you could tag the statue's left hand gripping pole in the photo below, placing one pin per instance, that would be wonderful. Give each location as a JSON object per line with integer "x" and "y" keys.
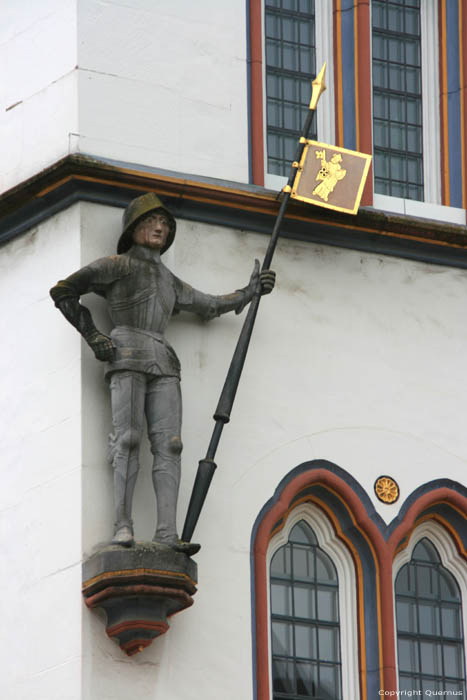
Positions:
{"x": 207, "y": 465}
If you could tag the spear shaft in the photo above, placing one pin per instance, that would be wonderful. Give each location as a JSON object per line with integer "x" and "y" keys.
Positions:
{"x": 207, "y": 466}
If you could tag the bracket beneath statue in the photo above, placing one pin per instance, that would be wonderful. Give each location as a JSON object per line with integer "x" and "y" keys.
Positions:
{"x": 139, "y": 588}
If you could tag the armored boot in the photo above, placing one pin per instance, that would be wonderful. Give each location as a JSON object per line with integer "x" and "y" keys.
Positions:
{"x": 166, "y": 488}
{"x": 125, "y": 473}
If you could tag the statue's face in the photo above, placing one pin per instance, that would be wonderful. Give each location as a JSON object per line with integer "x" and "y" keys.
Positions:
{"x": 152, "y": 232}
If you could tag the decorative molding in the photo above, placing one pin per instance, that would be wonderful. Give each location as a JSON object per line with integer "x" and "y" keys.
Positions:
{"x": 343, "y": 562}
{"x": 334, "y": 492}
{"x": 372, "y": 545}
{"x": 138, "y": 588}
{"x": 430, "y": 101}
{"x": 325, "y": 115}
{"x": 447, "y": 551}
{"x": 449, "y": 556}
{"x": 83, "y": 178}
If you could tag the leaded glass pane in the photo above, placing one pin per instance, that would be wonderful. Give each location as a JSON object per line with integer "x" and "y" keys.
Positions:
{"x": 282, "y": 638}
{"x": 397, "y": 189}
{"x": 305, "y": 641}
{"x": 398, "y": 170}
{"x": 430, "y": 686}
{"x": 406, "y": 616}
{"x": 397, "y": 137}
{"x": 395, "y": 18}
{"x": 407, "y": 682}
{"x": 412, "y": 21}
{"x": 408, "y": 655}
{"x": 302, "y": 533}
{"x": 306, "y": 678}
{"x": 429, "y": 622}
{"x": 381, "y": 133}
{"x": 398, "y": 164}
{"x": 283, "y": 676}
{"x": 414, "y": 139}
{"x": 327, "y": 604}
{"x": 381, "y": 107}
{"x": 448, "y": 586}
{"x": 430, "y": 658}
{"x": 380, "y": 75}
{"x": 451, "y": 622}
{"x": 274, "y": 113}
{"x": 325, "y": 570}
{"x": 290, "y": 69}
{"x": 381, "y": 186}
{"x": 302, "y": 563}
{"x": 306, "y": 6}
{"x": 453, "y": 660}
{"x": 456, "y": 688}
{"x": 328, "y": 639}
{"x": 382, "y": 163}
{"x": 304, "y": 601}
{"x": 281, "y": 599}
{"x": 280, "y": 562}
{"x": 329, "y": 685}
{"x": 397, "y": 107}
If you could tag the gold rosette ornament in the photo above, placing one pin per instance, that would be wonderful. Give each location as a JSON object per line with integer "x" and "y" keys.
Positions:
{"x": 386, "y": 489}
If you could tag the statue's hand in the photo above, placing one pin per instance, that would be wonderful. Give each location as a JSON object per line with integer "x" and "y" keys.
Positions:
{"x": 266, "y": 278}
{"x": 259, "y": 281}
{"x": 101, "y": 345}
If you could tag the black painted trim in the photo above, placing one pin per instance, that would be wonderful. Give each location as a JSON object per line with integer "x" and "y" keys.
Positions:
{"x": 24, "y": 210}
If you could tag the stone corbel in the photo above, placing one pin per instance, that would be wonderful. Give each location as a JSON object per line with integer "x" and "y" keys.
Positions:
{"x": 139, "y": 588}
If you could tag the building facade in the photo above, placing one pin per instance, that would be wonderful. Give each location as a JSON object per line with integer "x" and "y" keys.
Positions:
{"x": 333, "y": 537}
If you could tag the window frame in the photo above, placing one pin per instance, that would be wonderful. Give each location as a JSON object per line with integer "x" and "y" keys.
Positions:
{"x": 431, "y": 122}
{"x": 347, "y": 586}
{"x": 450, "y": 559}
{"x": 325, "y": 115}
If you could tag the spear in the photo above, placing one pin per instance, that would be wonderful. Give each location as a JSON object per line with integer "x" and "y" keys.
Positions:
{"x": 207, "y": 466}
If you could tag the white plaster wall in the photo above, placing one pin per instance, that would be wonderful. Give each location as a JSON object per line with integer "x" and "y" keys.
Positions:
{"x": 355, "y": 358}
{"x": 145, "y": 82}
{"x": 40, "y": 498}
{"x": 38, "y": 89}
{"x": 164, "y": 84}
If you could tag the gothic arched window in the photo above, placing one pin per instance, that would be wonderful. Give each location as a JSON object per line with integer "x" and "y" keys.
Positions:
{"x": 306, "y": 660}
{"x": 429, "y": 624}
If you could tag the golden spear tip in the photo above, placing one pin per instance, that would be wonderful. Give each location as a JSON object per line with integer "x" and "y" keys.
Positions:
{"x": 318, "y": 87}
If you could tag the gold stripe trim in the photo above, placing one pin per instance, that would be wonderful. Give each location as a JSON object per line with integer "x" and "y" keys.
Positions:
{"x": 136, "y": 572}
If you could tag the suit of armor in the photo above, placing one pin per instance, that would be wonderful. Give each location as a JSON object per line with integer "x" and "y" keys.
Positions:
{"x": 142, "y": 368}
{"x": 144, "y": 375}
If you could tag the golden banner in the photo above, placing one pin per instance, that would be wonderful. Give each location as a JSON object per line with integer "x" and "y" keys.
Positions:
{"x": 331, "y": 177}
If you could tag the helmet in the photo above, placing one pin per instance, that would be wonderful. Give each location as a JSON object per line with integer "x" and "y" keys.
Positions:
{"x": 135, "y": 211}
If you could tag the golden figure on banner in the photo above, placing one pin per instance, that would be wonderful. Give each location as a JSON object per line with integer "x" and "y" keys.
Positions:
{"x": 330, "y": 174}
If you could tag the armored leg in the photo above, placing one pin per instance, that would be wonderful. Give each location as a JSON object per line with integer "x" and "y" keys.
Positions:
{"x": 127, "y": 393}
{"x": 164, "y": 416}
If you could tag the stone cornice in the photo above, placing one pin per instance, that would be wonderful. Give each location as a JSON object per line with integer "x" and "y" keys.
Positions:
{"x": 84, "y": 178}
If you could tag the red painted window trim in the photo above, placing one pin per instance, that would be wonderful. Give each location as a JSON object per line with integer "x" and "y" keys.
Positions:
{"x": 256, "y": 88}
{"x": 384, "y": 552}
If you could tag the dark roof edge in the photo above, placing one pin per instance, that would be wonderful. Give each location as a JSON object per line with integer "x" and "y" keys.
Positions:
{"x": 80, "y": 177}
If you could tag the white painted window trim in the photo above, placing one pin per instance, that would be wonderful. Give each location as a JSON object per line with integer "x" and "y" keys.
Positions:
{"x": 430, "y": 98}
{"x": 450, "y": 559}
{"x": 342, "y": 560}
{"x": 431, "y": 207}
{"x": 325, "y": 113}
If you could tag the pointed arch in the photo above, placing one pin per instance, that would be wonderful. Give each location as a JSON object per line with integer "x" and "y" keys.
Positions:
{"x": 337, "y": 497}
{"x": 430, "y": 550}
